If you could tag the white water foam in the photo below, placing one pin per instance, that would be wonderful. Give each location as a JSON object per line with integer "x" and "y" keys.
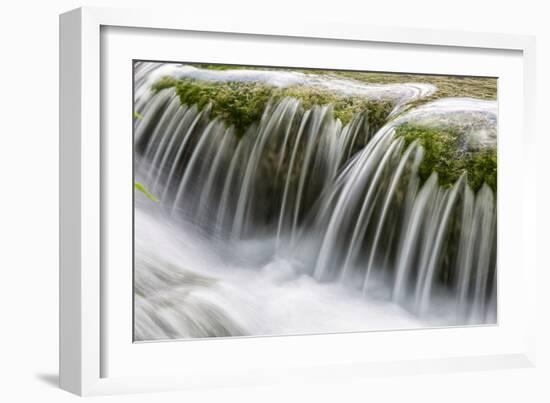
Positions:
{"x": 401, "y": 93}
{"x": 476, "y": 118}
{"x": 189, "y": 287}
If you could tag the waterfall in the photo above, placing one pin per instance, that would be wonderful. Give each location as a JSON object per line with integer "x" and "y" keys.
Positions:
{"x": 344, "y": 202}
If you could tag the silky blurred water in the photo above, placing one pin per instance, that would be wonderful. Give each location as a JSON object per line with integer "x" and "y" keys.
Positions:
{"x": 304, "y": 225}
{"x": 189, "y": 286}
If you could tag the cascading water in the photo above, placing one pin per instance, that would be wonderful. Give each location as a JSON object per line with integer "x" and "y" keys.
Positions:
{"x": 303, "y": 224}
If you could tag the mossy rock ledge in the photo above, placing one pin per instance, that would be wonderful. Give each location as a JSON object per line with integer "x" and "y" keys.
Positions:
{"x": 241, "y": 104}
{"x": 445, "y": 154}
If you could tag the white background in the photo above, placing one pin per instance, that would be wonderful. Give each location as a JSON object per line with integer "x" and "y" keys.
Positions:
{"x": 232, "y": 357}
{"x": 29, "y": 210}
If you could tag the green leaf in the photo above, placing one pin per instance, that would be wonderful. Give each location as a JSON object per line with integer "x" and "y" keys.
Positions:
{"x": 142, "y": 189}
{"x": 138, "y": 116}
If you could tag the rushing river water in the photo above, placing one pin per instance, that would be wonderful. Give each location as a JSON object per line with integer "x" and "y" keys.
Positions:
{"x": 304, "y": 225}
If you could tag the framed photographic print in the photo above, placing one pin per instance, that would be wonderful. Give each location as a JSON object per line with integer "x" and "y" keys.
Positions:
{"x": 236, "y": 199}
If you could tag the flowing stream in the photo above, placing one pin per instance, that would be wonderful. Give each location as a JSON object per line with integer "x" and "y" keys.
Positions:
{"x": 304, "y": 225}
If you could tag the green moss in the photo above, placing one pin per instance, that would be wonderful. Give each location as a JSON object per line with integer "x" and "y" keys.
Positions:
{"x": 482, "y": 167}
{"x": 344, "y": 107}
{"x": 241, "y": 104}
{"x": 444, "y": 155}
{"x": 237, "y": 104}
{"x": 163, "y": 83}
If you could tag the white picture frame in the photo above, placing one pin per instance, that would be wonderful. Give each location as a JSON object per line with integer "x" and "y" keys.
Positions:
{"x": 85, "y": 307}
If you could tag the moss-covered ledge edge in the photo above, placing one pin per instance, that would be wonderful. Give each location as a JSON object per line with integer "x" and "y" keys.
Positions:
{"x": 444, "y": 156}
{"x": 241, "y": 104}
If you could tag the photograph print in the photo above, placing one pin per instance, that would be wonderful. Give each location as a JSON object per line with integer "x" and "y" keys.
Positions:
{"x": 283, "y": 201}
